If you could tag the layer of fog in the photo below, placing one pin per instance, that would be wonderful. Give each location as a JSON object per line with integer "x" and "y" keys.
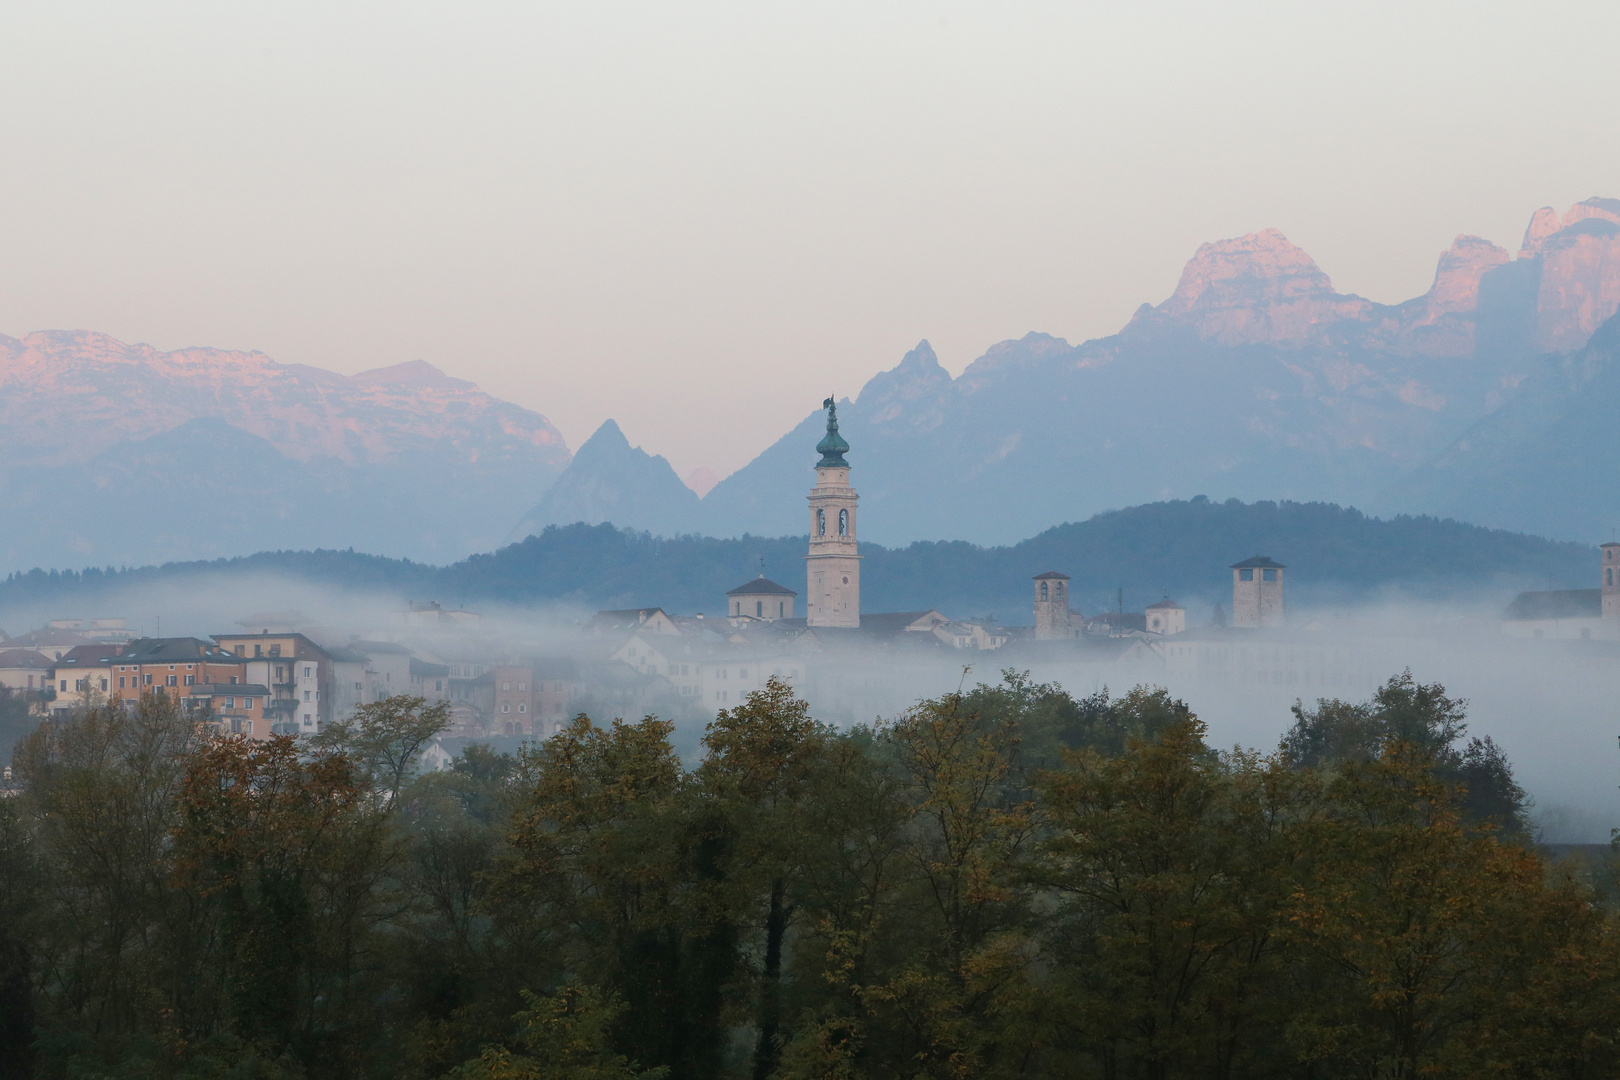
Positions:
{"x": 1549, "y": 704}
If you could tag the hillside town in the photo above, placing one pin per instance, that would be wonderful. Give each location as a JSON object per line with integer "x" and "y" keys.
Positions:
{"x": 281, "y": 674}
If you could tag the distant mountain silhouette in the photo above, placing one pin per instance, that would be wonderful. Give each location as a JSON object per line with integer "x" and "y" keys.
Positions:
{"x": 1254, "y": 380}
{"x": 116, "y": 453}
{"x": 610, "y": 480}
{"x": 1550, "y": 455}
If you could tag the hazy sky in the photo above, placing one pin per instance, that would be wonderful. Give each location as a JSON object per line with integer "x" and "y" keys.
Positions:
{"x": 701, "y": 218}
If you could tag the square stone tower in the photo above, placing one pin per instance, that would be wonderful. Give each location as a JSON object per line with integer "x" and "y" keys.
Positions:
{"x": 833, "y": 567}
{"x": 1611, "y": 580}
{"x": 1257, "y": 592}
{"x": 1053, "y": 619}
{"x": 1166, "y": 617}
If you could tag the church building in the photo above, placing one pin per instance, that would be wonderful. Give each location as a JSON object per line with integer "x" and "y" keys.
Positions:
{"x": 833, "y": 568}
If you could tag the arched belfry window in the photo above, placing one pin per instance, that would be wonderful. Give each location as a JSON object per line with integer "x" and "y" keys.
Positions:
{"x": 1043, "y": 590}
{"x": 821, "y": 522}
{"x": 843, "y": 523}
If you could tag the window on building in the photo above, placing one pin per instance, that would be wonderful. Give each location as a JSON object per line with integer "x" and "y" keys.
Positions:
{"x": 357, "y": 687}
{"x": 146, "y": 677}
{"x": 306, "y": 695}
{"x": 506, "y": 706}
{"x": 523, "y": 686}
{"x": 1043, "y": 590}
{"x": 1269, "y": 575}
{"x": 230, "y": 703}
{"x": 120, "y": 682}
{"x": 438, "y": 684}
{"x": 309, "y": 670}
{"x": 506, "y": 686}
{"x": 104, "y": 684}
{"x": 759, "y": 608}
{"x": 233, "y": 680}
{"x": 523, "y": 707}
{"x": 1245, "y": 575}
{"x": 821, "y": 522}
{"x": 843, "y": 523}
{"x": 247, "y": 727}
{"x": 191, "y": 680}
{"x": 172, "y": 680}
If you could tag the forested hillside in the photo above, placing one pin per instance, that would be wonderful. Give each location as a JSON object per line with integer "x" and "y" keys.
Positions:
{"x": 1180, "y": 548}
{"x": 1011, "y": 882}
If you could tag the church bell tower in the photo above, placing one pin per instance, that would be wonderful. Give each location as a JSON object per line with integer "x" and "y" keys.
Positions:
{"x": 832, "y": 569}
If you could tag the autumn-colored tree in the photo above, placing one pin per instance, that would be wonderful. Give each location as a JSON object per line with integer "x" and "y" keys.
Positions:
{"x": 760, "y": 769}
{"x": 562, "y": 1036}
{"x": 1424, "y": 942}
{"x": 945, "y": 996}
{"x": 1169, "y": 867}
{"x": 604, "y": 865}
{"x": 257, "y": 821}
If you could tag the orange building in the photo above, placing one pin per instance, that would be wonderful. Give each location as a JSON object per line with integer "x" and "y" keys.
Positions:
{"x": 298, "y": 672}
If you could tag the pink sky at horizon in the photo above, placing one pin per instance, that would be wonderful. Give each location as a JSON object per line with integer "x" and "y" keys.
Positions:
{"x": 699, "y": 220}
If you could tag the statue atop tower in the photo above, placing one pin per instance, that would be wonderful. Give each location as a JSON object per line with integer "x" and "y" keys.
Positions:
{"x": 833, "y": 567}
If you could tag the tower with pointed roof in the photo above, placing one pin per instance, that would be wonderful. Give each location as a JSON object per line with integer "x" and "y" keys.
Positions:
{"x": 833, "y": 568}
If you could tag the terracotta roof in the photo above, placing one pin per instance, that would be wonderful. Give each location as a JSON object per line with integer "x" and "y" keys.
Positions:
{"x": 23, "y": 658}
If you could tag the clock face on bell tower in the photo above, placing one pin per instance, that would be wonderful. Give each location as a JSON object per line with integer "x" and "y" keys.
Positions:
{"x": 833, "y": 568}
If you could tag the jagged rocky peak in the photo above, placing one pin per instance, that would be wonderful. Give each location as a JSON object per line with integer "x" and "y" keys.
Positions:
{"x": 1456, "y": 276}
{"x": 1543, "y": 223}
{"x": 1257, "y": 289}
{"x": 1546, "y": 224}
{"x": 1262, "y": 266}
{"x": 917, "y": 375}
{"x": 1579, "y": 284}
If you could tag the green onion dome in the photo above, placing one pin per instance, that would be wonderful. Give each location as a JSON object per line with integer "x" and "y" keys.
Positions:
{"x": 832, "y": 447}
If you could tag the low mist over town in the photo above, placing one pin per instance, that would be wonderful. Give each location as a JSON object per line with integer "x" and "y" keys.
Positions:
{"x": 719, "y": 544}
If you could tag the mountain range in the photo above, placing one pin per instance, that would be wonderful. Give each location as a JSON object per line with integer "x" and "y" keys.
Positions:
{"x": 1254, "y": 379}
{"x": 1485, "y": 399}
{"x": 116, "y": 453}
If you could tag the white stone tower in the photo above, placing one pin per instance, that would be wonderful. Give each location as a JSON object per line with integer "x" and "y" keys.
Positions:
{"x": 1053, "y": 619}
{"x": 1257, "y": 592}
{"x": 1611, "y": 580}
{"x": 832, "y": 569}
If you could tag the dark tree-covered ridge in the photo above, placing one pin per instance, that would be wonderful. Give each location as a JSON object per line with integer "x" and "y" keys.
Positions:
{"x": 1180, "y": 548}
